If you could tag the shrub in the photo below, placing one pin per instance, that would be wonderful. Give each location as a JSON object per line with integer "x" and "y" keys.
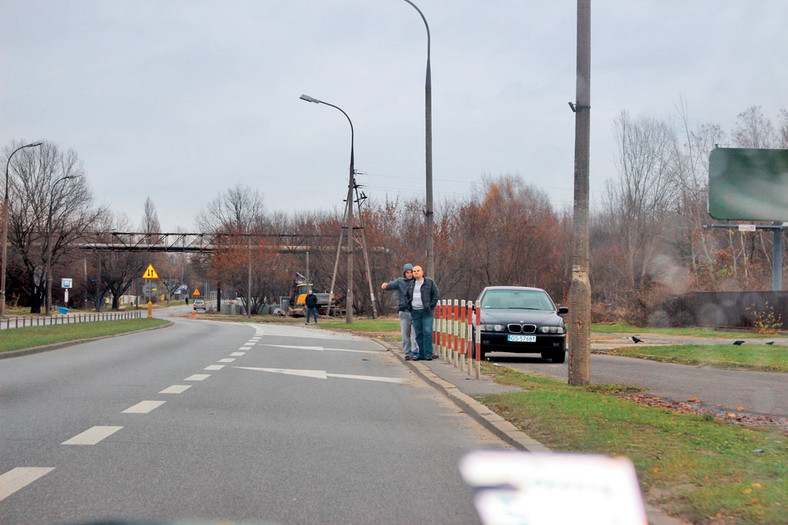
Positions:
{"x": 765, "y": 321}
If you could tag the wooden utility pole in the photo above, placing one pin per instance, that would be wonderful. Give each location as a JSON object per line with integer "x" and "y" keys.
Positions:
{"x": 580, "y": 287}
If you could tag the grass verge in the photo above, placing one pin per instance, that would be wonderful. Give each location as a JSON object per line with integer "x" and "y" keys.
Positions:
{"x": 765, "y": 358}
{"x": 18, "y": 338}
{"x": 363, "y": 326}
{"x": 692, "y": 466}
{"x": 624, "y": 328}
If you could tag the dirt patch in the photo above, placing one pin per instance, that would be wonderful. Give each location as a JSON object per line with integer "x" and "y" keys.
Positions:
{"x": 694, "y": 406}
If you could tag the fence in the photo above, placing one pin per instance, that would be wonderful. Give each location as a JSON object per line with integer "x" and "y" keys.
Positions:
{"x": 28, "y": 321}
{"x": 456, "y": 334}
{"x": 720, "y": 309}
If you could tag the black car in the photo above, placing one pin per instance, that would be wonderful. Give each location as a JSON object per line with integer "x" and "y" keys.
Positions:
{"x": 524, "y": 320}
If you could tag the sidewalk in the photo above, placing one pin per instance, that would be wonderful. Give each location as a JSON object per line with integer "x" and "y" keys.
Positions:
{"x": 459, "y": 387}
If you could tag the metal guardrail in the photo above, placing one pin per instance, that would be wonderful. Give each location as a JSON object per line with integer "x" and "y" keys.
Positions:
{"x": 53, "y": 320}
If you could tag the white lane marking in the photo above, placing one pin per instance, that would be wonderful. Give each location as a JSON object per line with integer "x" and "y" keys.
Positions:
{"x": 322, "y": 374}
{"x": 214, "y": 367}
{"x": 19, "y": 478}
{"x": 324, "y": 349}
{"x": 143, "y": 407}
{"x": 175, "y": 389}
{"x": 92, "y": 436}
{"x": 246, "y": 347}
{"x": 368, "y": 378}
{"x": 318, "y": 348}
{"x": 227, "y": 360}
{"x": 197, "y": 377}
{"x": 237, "y": 354}
{"x": 316, "y": 374}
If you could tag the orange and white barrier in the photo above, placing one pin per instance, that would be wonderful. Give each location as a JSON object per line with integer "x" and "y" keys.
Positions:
{"x": 455, "y": 328}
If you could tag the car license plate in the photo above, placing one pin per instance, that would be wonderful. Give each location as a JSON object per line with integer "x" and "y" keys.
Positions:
{"x": 522, "y": 339}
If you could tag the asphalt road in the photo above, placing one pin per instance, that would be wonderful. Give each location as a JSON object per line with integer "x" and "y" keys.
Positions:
{"x": 229, "y": 421}
{"x": 758, "y": 393}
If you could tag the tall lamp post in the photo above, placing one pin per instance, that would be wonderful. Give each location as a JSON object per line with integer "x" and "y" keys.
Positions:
{"x": 428, "y": 143}
{"x": 5, "y": 228}
{"x": 349, "y": 212}
{"x": 48, "y": 305}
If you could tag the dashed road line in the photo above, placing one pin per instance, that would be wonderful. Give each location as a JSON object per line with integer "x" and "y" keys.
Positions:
{"x": 227, "y": 360}
{"x": 214, "y": 367}
{"x": 237, "y": 354}
{"x": 175, "y": 389}
{"x": 92, "y": 436}
{"x": 198, "y": 377}
{"x": 143, "y": 407}
{"x": 20, "y": 477}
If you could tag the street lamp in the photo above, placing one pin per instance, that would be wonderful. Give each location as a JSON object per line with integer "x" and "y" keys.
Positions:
{"x": 5, "y": 228}
{"x": 348, "y": 213}
{"x": 48, "y": 305}
{"x": 428, "y": 140}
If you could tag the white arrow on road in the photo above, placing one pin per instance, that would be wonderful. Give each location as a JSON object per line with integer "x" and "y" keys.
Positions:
{"x": 322, "y": 349}
{"x": 321, "y": 374}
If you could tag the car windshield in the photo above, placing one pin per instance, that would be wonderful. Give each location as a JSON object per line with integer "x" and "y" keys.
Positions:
{"x": 517, "y": 299}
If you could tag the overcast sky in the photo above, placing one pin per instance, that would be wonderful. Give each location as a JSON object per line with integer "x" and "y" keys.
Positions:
{"x": 179, "y": 100}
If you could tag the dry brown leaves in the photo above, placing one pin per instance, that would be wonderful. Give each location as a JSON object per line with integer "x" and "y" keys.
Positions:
{"x": 695, "y": 406}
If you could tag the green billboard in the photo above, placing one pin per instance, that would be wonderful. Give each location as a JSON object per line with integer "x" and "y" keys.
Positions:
{"x": 748, "y": 184}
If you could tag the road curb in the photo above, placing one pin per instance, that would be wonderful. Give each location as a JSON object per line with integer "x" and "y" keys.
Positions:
{"x": 55, "y": 346}
{"x": 499, "y": 426}
{"x": 482, "y": 414}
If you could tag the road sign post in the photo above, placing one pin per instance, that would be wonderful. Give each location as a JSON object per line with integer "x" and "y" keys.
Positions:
{"x": 150, "y": 273}
{"x": 66, "y": 284}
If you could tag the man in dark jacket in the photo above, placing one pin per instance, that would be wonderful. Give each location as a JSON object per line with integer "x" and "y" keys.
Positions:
{"x": 311, "y": 305}
{"x": 422, "y": 298}
{"x": 405, "y": 323}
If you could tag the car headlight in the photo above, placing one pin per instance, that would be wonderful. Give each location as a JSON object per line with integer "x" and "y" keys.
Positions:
{"x": 552, "y": 329}
{"x": 493, "y": 327}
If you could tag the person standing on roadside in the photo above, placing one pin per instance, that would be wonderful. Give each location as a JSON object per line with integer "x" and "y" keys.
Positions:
{"x": 400, "y": 284}
{"x": 311, "y": 305}
{"x": 422, "y": 298}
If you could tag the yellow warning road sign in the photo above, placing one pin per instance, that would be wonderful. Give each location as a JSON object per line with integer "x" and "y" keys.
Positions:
{"x": 150, "y": 273}
{"x": 196, "y": 292}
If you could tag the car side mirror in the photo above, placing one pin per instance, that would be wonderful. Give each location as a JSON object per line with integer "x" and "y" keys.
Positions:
{"x": 563, "y": 310}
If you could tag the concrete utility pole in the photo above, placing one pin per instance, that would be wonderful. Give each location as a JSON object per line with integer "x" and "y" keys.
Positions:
{"x": 580, "y": 287}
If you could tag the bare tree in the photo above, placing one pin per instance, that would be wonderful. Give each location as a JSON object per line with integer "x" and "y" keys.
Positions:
{"x": 50, "y": 210}
{"x": 689, "y": 175}
{"x": 754, "y": 130}
{"x": 119, "y": 270}
{"x": 783, "y": 131}
{"x": 244, "y": 260}
{"x": 150, "y": 219}
{"x": 237, "y": 209}
{"x": 643, "y": 194}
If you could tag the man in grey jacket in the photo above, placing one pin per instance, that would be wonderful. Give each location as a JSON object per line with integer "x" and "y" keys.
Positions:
{"x": 400, "y": 284}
